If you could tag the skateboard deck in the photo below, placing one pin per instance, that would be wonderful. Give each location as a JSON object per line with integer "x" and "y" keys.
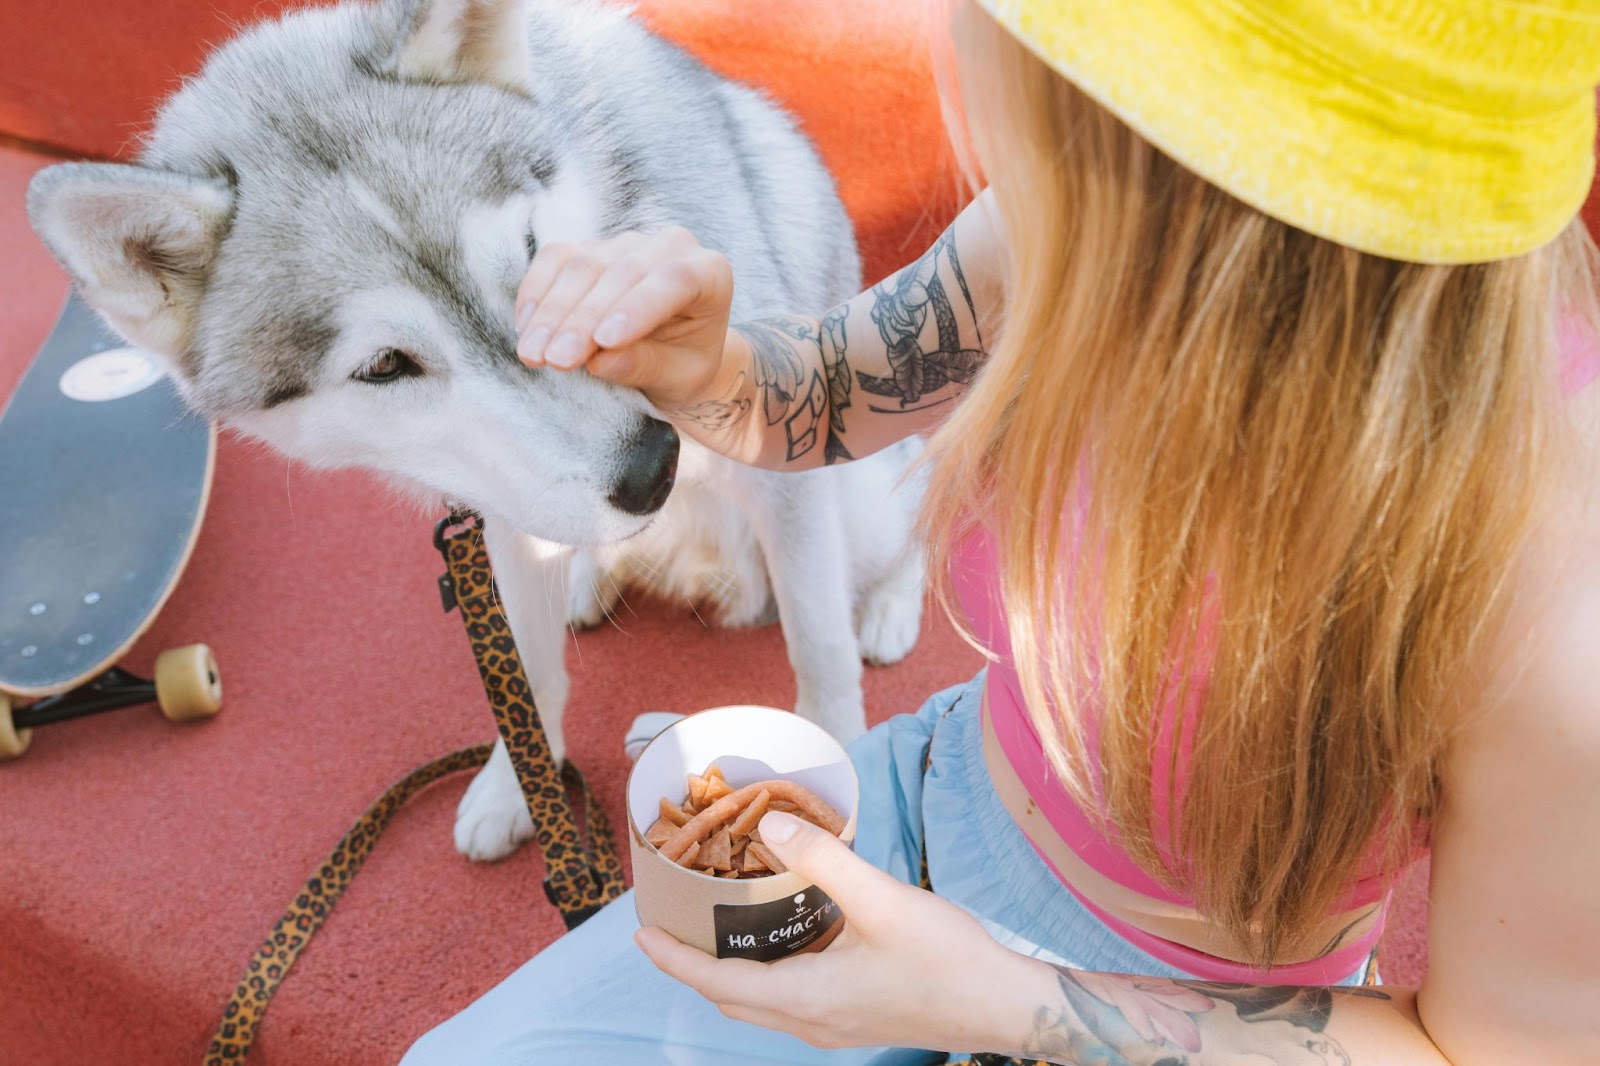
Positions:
{"x": 104, "y": 474}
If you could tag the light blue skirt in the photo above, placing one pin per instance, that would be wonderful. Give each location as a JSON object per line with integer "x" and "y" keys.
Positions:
{"x": 594, "y": 996}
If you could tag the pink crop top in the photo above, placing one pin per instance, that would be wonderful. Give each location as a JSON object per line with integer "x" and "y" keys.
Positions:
{"x": 973, "y": 566}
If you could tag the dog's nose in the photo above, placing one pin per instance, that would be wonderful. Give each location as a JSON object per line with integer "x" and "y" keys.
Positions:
{"x": 648, "y": 471}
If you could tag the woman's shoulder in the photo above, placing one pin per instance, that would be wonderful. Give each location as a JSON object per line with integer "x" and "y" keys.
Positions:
{"x": 1515, "y": 837}
{"x": 1539, "y": 694}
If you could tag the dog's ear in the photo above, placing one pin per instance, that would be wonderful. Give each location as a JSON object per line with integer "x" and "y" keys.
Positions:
{"x": 467, "y": 41}
{"x": 138, "y": 243}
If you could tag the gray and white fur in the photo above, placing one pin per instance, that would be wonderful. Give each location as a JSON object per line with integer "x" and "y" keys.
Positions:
{"x": 323, "y": 238}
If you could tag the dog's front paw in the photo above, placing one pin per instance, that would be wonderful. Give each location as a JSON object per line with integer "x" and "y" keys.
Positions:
{"x": 891, "y": 621}
{"x": 492, "y": 820}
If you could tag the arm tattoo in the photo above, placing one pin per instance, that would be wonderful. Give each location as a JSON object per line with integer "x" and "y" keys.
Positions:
{"x": 806, "y": 400}
{"x": 1120, "y": 1020}
{"x": 901, "y": 310}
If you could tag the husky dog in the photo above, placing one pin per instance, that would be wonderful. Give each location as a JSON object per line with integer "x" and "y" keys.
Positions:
{"x": 323, "y": 238}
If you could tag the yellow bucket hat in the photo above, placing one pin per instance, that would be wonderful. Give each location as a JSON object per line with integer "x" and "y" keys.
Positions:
{"x": 1437, "y": 131}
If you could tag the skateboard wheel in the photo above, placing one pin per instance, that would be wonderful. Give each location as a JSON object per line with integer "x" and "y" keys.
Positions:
{"x": 188, "y": 685}
{"x": 13, "y": 741}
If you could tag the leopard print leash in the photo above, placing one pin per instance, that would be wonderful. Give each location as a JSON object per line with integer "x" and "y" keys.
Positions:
{"x": 582, "y": 874}
{"x": 583, "y": 870}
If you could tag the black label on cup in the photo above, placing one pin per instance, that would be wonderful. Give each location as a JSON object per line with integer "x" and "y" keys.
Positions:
{"x": 768, "y": 931}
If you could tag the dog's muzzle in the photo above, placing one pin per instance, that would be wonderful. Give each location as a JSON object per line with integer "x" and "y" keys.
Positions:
{"x": 648, "y": 470}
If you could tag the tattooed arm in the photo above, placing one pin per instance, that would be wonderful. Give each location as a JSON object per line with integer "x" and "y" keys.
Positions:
{"x": 911, "y": 969}
{"x": 1512, "y": 933}
{"x": 799, "y": 393}
{"x": 1119, "y": 1020}
{"x": 787, "y": 392}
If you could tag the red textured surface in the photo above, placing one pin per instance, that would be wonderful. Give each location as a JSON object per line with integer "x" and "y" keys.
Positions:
{"x": 144, "y": 861}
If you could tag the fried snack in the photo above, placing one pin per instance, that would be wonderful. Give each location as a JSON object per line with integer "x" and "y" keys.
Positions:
{"x": 689, "y": 856}
{"x": 672, "y": 814}
{"x": 765, "y": 857}
{"x": 718, "y": 852}
{"x": 746, "y": 823}
{"x": 714, "y": 830}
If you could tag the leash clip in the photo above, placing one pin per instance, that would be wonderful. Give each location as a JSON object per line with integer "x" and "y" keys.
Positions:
{"x": 459, "y": 519}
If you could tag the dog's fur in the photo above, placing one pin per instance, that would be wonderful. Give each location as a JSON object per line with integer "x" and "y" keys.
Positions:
{"x": 360, "y": 178}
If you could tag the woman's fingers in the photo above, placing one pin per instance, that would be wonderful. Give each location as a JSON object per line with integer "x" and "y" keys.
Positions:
{"x": 614, "y": 293}
{"x": 573, "y": 337}
{"x": 866, "y": 894}
{"x": 547, "y": 266}
{"x": 725, "y": 982}
{"x": 576, "y": 274}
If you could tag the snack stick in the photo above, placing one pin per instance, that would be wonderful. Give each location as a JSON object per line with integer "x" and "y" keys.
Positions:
{"x": 748, "y": 820}
{"x": 804, "y": 800}
{"x": 769, "y": 860}
{"x": 672, "y": 813}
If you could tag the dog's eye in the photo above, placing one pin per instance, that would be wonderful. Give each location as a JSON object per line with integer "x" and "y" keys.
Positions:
{"x": 391, "y": 364}
{"x": 533, "y": 244}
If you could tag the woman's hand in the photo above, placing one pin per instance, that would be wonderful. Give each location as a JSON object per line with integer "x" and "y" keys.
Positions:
{"x": 648, "y": 310}
{"x": 909, "y": 969}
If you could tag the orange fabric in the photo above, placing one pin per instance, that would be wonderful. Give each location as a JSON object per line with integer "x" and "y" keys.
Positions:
{"x": 87, "y": 76}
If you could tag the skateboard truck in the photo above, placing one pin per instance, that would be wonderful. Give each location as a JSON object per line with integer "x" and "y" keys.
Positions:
{"x": 112, "y": 690}
{"x": 187, "y": 686}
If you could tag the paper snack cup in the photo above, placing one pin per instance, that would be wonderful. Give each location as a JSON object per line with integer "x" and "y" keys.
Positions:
{"x": 761, "y": 918}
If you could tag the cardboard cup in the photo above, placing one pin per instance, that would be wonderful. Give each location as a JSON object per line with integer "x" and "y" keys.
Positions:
{"x": 761, "y": 918}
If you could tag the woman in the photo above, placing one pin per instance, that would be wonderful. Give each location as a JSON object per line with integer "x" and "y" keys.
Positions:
{"x": 1261, "y": 464}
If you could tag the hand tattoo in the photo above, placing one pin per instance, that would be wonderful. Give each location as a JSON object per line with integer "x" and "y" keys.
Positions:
{"x": 901, "y": 312}
{"x": 721, "y": 414}
{"x": 1119, "y": 1020}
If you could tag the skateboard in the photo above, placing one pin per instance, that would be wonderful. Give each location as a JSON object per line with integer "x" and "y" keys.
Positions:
{"x": 104, "y": 474}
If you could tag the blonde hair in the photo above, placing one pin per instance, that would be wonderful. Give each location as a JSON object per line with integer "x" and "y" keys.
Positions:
{"x": 1197, "y": 417}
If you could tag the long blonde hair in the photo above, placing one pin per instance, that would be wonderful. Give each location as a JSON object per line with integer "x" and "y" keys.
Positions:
{"x": 1199, "y": 418}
